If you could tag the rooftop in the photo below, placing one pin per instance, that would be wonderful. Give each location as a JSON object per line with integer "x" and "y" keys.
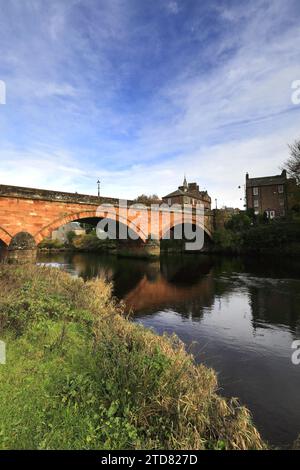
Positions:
{"x": 179, "y": 192}
{"x": 266, "y": 180}
{"x": 188, "y": 189}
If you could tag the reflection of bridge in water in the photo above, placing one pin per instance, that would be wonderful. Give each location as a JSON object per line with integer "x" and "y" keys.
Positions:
{"x": 190, "y": 284}
{"x": 151, "y": 295}
{"x": 161, "y": 292}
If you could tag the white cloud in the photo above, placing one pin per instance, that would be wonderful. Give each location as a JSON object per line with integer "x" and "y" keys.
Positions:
{"x": 225, "y": 112}
{"x": 173, "y": 7}
{"x": 39, "y": 168}
{"x": 220, "y": 169}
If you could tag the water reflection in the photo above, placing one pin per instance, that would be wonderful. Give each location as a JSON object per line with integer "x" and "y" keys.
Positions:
{"x": 174, "y": 284}
{"x": 239, "y": 316}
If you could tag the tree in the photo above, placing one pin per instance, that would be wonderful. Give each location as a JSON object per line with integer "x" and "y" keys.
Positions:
{"x": 147, "y": 200}
{"x": 293, "y": 163}
{"x": 238, "y": 222}
{"x": 89, "y": 228}
{"x": 70, "y": 236}
{"x": 250, "y": 212}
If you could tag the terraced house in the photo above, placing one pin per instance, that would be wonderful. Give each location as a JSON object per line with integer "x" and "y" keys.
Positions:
{"x": 272, "y": 195}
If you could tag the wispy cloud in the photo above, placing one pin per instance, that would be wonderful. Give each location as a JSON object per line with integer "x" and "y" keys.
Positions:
{"x": 173, "y": 7}
{"x": 137, "y": 93}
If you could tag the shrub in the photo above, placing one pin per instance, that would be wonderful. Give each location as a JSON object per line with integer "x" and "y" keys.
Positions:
{"x": 238, "y": 222}
{"x": 274, "y": 235}
{"x": 91, "y": 242}
{"x": 48, "y": 243}
{"x": 70, "y": 236}
{"x": 226, "y": 240}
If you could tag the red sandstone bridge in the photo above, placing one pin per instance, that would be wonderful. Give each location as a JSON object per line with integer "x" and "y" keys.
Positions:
{"x": 28, "y": 216}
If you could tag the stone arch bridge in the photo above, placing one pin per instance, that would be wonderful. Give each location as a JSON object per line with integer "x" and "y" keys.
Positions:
{"x": 28, "y": 216}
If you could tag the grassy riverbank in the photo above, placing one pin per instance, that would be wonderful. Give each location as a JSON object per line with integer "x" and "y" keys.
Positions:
{"x": 79, "y": 375}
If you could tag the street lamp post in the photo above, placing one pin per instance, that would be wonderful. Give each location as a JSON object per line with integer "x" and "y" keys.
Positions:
{"x": 98, "y": 183}
{"x": 244, "y": 198}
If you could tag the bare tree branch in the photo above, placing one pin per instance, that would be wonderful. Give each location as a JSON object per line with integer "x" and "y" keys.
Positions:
{"x": 293, "y": 162}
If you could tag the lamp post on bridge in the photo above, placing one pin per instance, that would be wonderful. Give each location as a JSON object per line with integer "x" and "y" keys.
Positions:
{"x": 98, "y": 183}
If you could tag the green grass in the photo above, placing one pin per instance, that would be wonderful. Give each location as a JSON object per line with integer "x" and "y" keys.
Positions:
{"x": 79, "y": 375}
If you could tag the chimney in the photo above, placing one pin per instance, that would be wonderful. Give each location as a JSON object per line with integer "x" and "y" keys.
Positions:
{"x": 193, "y": 187}
{"x": 283, "y": 173}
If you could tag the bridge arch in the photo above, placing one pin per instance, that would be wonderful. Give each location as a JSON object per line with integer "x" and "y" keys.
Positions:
{"x": 92, "y": 214}
{"x": 166, "y": 228}
{"x": 5, "y": 237}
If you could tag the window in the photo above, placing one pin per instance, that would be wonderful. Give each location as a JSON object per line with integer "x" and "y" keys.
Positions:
{"x": 255, "y": 191}
{"x": 281, "y": 202}
{"x": 169, "y": 201}
{"x": 280, "y": 189}
{"x": 255, "y": 203}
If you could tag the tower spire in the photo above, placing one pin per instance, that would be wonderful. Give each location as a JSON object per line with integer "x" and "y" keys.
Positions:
{"x": 185, "y": 182}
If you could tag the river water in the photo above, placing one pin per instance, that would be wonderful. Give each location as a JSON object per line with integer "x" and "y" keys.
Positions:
{"x": 239, "y": 316}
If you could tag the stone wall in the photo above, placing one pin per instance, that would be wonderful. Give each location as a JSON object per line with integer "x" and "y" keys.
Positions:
{"x": 45, "y": 195}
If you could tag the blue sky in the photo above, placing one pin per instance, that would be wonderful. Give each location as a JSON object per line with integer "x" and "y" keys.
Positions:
{"x": 139, "y": 92}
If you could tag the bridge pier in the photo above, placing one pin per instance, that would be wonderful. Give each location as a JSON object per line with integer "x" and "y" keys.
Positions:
{"x": 22, "y": 249}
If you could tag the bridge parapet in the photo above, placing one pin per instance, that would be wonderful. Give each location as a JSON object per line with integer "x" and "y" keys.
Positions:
{"x": 55, "y": 196}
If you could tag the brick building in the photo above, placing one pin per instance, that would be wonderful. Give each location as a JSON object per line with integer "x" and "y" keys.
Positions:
{"x": 188, "y": 193}
{"x": 268, "y": 194}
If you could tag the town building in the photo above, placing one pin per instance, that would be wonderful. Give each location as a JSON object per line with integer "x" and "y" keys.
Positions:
{"x": 61, "y": 234}
{"x": 188, "y": 193}
{"x": 268, "y": 195}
